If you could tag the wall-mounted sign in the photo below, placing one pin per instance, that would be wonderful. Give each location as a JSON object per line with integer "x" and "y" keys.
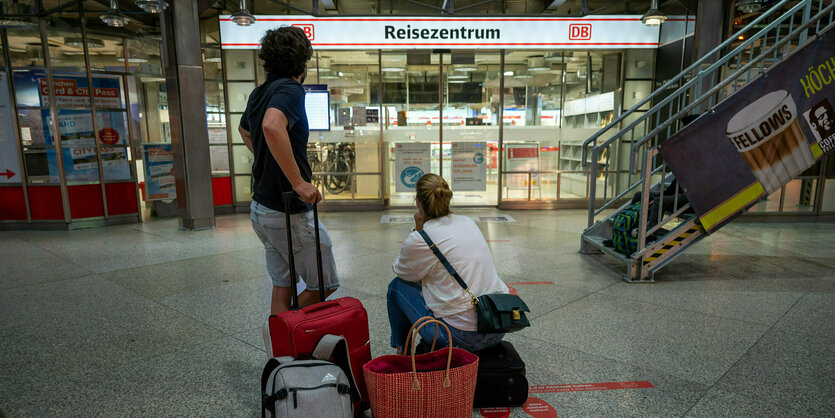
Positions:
{"x": 411, "y": 162}
{"x": 159, "y": 171}
{"x": 593, "y": 32}
{"x": 9, "y": 163}
{"x": 469, "y": 166}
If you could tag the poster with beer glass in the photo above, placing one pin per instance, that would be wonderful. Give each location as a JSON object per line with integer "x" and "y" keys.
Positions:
{"x": 755, "y": 142}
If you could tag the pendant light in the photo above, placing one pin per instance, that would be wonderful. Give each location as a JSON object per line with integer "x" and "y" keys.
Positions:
{"x": 243, "y": 17}
{"x": 654, "y": 17}
{"x": 152, "y": 6}
{"x": 749, "y": 6}
{"x": 114, "y": 17}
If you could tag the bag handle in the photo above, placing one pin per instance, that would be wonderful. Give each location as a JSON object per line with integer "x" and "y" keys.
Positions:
{"x": 448, "y": 266}
{"x": 415, "y": 381}
{"x": 412, "y": 332}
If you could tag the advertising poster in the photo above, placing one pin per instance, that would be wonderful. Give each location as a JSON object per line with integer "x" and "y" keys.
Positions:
{"x": 80, "y": 164}
{"x": 159, "y": 172}
{"x": 9, "y": 163}
{"x": 411, "y": 162}
{"x": 756, "y": 141}
{"x": 522, "y": 157}
{"x": 469, "y": 166}
{"x": 219, "y": 157}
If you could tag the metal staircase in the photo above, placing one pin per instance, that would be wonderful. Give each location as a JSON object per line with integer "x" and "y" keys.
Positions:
{"x": 633, "y": 150}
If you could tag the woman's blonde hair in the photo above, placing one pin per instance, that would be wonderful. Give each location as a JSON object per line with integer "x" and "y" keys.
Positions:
{"x": 433, "y": 195}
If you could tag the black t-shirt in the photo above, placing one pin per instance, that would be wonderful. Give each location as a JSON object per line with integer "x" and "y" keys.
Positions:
{"x": 286, "y": 95}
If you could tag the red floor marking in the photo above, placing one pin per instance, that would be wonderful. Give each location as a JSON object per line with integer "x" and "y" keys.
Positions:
{"x": 494, "y": 412}
{"x": 512, "y": 291}
{"x": 641, "y": 384}
{"x": 532, "y": 283}
{"x": 489, "y": 240}
{"x": 538, "y": 408}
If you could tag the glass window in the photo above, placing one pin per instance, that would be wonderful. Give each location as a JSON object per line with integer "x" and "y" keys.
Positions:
{"x": 240, "y": 64}
{"x": 243, "y": 188}
{"x": 239, "y": 95}
{"x": 144, "y": 56}
{"x": 470, "y": 126}
{"x": 242, "y": 159}
{"x": 352, "y": 143}
{"x": 639, "y": 63}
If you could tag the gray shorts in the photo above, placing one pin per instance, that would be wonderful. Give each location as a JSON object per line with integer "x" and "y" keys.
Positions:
{"x": 271, "y": 228}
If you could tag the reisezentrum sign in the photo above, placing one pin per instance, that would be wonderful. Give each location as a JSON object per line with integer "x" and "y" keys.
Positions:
{"x": 594, "y": 32}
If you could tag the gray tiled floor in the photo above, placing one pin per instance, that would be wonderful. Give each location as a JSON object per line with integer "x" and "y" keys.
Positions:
{"x": 148, "y": 320}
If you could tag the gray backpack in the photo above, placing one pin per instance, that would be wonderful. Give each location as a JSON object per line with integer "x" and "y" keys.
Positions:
{"x": 310, "y": 388}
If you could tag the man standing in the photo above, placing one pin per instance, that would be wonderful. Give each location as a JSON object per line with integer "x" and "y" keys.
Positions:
{"x": 274, "y": 127}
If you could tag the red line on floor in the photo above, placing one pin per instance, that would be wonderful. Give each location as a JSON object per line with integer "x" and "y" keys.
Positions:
{"x": 640, "y": 384}
{"x": 532, "y": 283}
{"x": 489, "y": 240}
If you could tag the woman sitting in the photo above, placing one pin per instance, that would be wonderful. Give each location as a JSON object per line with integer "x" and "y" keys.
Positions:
{"x": 425, "y": 288}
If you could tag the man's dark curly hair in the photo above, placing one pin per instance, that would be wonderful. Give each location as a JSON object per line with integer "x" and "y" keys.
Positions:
{"x": 285, "y": 51}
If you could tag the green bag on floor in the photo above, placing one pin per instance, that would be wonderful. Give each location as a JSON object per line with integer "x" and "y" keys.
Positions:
{"x": 622, "y": 227}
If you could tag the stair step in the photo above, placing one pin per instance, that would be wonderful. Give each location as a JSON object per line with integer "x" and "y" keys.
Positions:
{"x": 597, "y": 242}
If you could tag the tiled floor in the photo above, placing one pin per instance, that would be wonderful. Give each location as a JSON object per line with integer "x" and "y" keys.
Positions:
{"x": 148, "y": 320}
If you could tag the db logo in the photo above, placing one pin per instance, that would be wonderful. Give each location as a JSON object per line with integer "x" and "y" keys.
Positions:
{"x": 579, "y": 32}
{"x": 308, "y": 30}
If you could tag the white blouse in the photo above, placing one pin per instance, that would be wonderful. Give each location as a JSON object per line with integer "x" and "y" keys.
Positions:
{"x": 462, "y": 243}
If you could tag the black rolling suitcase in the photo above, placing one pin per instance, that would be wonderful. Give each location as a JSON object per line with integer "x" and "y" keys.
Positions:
{"x": 501, "y": 377}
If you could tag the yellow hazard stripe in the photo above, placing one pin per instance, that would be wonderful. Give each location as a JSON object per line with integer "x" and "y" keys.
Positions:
{"x": 816, "y": 150}
{"x": 670, "y": 245}
{"x": 732, "y": 205}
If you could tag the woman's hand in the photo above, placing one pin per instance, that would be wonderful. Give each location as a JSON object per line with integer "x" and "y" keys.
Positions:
{"x": 419, "y": 222}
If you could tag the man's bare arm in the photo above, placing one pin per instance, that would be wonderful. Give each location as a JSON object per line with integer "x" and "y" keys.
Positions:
{"x": 278, "y": 141}
{"x": 246, "y": 138}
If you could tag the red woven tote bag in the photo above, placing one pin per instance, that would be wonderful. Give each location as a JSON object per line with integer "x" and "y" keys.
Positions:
{"x": 440, "y": 384}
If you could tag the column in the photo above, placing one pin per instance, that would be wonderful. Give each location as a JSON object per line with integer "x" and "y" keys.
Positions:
{"x": 187, "y": 110}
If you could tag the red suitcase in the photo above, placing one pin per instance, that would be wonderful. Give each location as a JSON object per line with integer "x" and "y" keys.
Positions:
{"x": 296, "y": 332}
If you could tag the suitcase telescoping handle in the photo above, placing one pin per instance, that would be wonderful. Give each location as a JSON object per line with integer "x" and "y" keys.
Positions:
{"x": 294, "y": 298}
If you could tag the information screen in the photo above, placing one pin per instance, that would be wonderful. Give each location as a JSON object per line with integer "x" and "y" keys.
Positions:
{"x": 316, "y": 104}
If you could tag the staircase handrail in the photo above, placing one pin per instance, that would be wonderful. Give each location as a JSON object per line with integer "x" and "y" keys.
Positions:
{"x": 675, "y": 80}
{"x": 732, "y": 77}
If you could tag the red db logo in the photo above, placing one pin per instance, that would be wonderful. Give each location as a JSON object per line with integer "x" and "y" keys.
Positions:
{"x": 308, "y": 30}
{"x": 579, "y": 32}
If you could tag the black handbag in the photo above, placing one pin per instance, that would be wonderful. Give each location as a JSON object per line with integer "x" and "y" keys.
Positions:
{"x": 495, "y": 313}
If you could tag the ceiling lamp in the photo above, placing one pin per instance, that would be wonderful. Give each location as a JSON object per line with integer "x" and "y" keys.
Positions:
{"x": 458, "y": 77}
{"x": 749, "y": 6}
{"x": 654, "y": 17}
{"x": 394, "y": 69}
{"x": 152, "y": 6}
{"x": 508, "y": 73}
{"x": 465, "y": 67}
{"x": 243, "y": 17}
{"x": 523, "y": 75}
{"x": 78, "y": 42}
{"x": 553, "y": 57}
{"x": 537, "y": 63}
{"x": 114, "y": 17}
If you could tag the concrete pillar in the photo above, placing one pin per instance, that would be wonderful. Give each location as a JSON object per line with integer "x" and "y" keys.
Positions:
{"x": 183, "y": 63}
{"x": 710, "y": 23}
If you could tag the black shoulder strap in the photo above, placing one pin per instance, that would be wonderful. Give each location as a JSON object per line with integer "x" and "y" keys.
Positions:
{"x": 443, "y": 259}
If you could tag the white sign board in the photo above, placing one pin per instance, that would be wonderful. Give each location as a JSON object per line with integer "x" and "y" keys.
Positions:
{"x": 372, "y": 32}
{"x": 411, "y": 162}
{"x": 469, "y": 166}
{"x": 522, "y": 157}
{"x": 9, "y": 163}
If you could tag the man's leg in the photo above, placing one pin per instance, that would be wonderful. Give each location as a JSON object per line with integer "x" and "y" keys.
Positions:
{"x": 309, "y": 297}
{"x": 280, "y": 300}
{"x": 306, "y": 263}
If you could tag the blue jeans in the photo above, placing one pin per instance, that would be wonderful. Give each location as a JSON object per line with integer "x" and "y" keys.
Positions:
{"x": 406, "y": 305}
